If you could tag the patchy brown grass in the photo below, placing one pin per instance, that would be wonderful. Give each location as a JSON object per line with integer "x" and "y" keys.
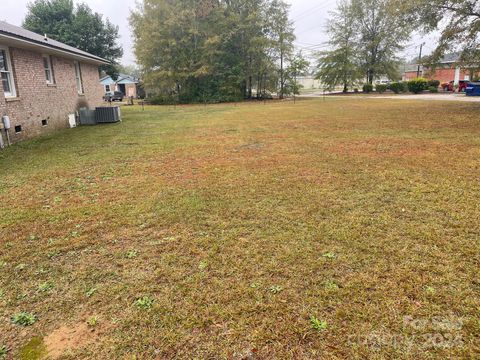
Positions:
{"x": 241, "y": 223}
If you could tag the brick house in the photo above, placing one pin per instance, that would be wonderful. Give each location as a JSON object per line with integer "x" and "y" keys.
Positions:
{"x": 447, "y": 70}
{"x": 43, "y": 82}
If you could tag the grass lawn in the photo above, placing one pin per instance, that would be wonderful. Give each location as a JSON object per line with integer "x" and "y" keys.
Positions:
{"x": 337, "y": 229}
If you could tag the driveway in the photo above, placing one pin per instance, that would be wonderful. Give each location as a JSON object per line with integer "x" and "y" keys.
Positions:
{"x": 428, "y": 97}
{"x": 435, "y": 97}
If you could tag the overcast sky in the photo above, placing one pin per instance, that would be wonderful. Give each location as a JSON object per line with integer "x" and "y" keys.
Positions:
{"x": 309, "y": 18}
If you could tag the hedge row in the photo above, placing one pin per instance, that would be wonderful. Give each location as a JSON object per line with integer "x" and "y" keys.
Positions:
{"x": 415, "y": 86}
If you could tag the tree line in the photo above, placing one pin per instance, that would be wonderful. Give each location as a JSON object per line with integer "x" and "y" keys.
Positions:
{"x": 221, "y": 50}
{"x": 366, "y": 37}
{"x": 215, "y": 50}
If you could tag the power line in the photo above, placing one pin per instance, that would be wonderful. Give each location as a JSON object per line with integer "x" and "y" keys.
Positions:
{"x": 312, "y": 10}
{"x": 311, "y": 46}
{"x": 314, "y": 27}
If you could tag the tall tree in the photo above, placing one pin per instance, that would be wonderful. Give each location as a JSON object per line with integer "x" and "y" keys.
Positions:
{"x": 339, "y": 66}
{"x": 381, "y": 37}
{"x": 298, "y": 66}
{"x": 282, "y": 37}
{"x": 77, "y": 26}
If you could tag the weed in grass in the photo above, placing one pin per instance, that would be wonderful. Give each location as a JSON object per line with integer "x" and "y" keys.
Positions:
{"x": 430, "y": 290}
{"x": 41, "y": 271}
{"x": 21, "y": 296}
{"x": 329, "y": 255}
{"x": 3, "y": 352}
{"x": 3, "y": 263}
{"x": 131, "y": 254}
{"x": 144, "y": 303}
{"x": 2, "y": 294}
{"x": 20, "y": 267}
{"x": 90, "y": 292}
{"x": 92, "y": 322}
{"x": 203, "y": 265}
{"x": 275, "y": 289}
{"x": 52, "y": 254}
{"x": 46, "y": 287}
{"x": 33, "y": 237}
{"x": 331, "y": 285}
{"x": 317, "y": 324}
{"x": 255, "y": 285}
{"x": 24, "y": 319}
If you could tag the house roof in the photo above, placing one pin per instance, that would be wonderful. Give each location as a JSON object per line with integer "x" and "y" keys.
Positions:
{"x": 446, "y": 59}
{"x": 122, "y": 79}
{"x": 450, "y": 58}
{"x": 18, "y": 35}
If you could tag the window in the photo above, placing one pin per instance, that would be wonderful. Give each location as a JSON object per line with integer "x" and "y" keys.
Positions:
{"x": 6, "y": 73}
{"x": 47, "y": 65}
{"x": 44, "y": 122}
{"x": 107, "y": 88}
{"x": 78, "y": 77}
{"x": 18, "y": 129}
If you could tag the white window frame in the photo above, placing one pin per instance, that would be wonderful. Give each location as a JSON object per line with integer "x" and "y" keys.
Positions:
{"x": 9, "y": 72}
{"x": 78, "y": 78}
{"x": 49, "y": 69}
{"x": 109, "y": 88}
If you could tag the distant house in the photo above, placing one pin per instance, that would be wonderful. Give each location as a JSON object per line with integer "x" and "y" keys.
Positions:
{"x": 127, "y": 84}
{"x": 44, "y": 82}
{"x": 309, "y": 82}
{"x": 448, "y": 69}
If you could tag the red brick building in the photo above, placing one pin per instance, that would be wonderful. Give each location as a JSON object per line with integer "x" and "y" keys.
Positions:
{"x": 43, "y": 82}
{"x": 447, "y": 70}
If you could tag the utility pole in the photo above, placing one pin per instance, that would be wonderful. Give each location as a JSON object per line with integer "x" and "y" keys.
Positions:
{"x": 419, "y": 59}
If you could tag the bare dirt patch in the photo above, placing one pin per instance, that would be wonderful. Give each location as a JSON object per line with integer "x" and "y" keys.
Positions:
{"x": 68, "y": 338}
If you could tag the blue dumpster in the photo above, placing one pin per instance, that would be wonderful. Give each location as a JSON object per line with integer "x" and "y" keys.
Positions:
{"x": 473, "y": 89}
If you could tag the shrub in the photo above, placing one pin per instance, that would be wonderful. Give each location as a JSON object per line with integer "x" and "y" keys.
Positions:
{"x": 381, "y": 88}
{"x": 434, "y": 83}
{"x": 163, "y": 100}
{"x": 417, "y": 85}
{"x": 367, "y": 88}
{"x": 433, "y": 89}
{"x": 398, "y": 87}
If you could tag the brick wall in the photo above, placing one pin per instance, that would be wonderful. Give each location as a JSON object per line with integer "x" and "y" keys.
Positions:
{"x": 36, "y": 100}
{"x": 444, "y": 75}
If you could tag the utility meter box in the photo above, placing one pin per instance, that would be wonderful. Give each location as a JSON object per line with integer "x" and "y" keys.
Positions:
{"x": 6, "y": 122}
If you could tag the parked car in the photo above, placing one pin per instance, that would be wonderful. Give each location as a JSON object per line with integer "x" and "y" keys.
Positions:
{"x": 450, "y": 86}
{"x": 113, "y": 96}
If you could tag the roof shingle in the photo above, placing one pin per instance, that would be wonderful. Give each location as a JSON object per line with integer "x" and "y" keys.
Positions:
{"x": 23, "y": 34}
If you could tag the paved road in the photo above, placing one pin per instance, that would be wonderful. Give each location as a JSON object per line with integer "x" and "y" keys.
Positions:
{"x": 428, "y": 97}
